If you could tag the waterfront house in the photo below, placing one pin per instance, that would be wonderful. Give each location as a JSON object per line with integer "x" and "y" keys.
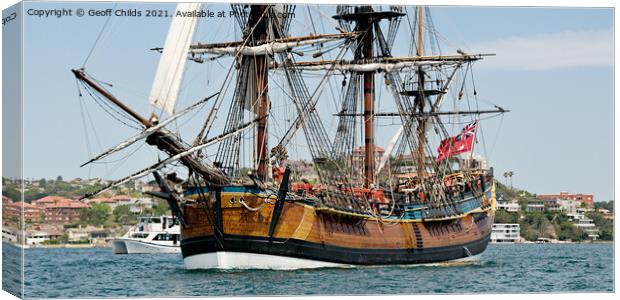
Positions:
{"x": 506, "y": 233}
{"x": 14, "y": 211}
{"x": 509, "y": 207}
{"x": 59, "y": 209}
{"x": 581, "y": 198}
{"x": 569, "y": 206}
{"x": 90, "y": 234}
{"x": 9, "y": 234}
{"x": 77, "y": 235}
{"x": 584, "y": 223}
{"x": 535, "y": 206}
{"x": 36, "y": 237}
{"x": 551, "y": 204}
{"x": 506, "y": 204}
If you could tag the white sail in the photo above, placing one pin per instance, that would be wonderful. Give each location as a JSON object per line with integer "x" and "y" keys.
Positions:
{"x": 173, "y": 59}
{"x": 390, "y": 147}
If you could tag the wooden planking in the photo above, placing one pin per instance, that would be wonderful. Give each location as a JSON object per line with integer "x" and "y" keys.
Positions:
{"x": 302, "y": 222}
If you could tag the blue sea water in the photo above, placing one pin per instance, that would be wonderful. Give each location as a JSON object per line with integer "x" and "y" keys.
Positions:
{"x": 543, "y": 268}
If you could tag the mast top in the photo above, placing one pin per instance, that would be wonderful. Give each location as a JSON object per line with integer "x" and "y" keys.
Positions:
{"x": 350, "y": 13}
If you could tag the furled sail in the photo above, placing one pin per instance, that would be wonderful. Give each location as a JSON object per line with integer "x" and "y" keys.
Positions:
{"x": 172, "y": 62}
{"x": 266, "y": 48}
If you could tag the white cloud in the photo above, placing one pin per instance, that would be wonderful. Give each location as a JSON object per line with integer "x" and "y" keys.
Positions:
{"x": 549, "y": 51}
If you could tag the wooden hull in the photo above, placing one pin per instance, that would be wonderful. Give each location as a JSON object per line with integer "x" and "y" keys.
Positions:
{"x": 303, "y": 232}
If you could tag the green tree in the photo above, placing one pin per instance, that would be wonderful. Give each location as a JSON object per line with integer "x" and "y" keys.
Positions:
{"x": 12, "y": 193}
{"x": 605, "y": 226}
{"x": 96, "y": 215}
{"x": 161, "y": 208}
{"x": 568, "y": 231}
{"x": 502, "y": 216}
{"x": 123, "y": 215}
{"x": 537, "y": 224}
{"x": 609, "y": 205}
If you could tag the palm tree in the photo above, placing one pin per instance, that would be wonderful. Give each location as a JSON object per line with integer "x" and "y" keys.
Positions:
{"x": 506, "y": 176}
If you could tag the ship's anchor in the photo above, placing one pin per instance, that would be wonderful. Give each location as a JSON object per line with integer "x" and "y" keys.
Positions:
{"x": 467, "y": 251}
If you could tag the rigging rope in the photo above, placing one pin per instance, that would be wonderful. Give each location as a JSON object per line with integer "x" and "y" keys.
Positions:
{"x": 98, "y": 37}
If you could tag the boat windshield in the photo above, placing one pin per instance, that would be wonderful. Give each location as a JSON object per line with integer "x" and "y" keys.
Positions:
{"x": 150, "y": 220}
{"x": 166, "y": 237}
{"x": 139, "y": 235}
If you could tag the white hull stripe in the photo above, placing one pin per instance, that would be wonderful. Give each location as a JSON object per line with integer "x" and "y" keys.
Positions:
{"x": 242, "y": 260}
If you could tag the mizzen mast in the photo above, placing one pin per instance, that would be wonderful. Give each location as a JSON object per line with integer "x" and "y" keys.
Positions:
{"x": 419, "y": 103}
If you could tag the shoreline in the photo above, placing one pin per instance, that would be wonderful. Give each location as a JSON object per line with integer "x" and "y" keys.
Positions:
{"x": 561, "y": 242}
{"x": 99, "y": 246}
{"x": 57, "y": 246}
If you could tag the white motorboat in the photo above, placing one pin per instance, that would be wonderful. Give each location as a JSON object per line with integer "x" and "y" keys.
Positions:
{"x": 150, "y": 235}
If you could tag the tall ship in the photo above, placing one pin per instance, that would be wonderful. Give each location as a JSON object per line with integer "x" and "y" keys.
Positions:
{"x": 243, "y": 203}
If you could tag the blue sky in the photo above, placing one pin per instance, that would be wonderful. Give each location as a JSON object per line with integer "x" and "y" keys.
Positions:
{"x": 553, "y": 70}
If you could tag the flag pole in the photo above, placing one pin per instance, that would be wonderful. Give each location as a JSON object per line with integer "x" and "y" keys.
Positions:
{"x": 475, "y": 139}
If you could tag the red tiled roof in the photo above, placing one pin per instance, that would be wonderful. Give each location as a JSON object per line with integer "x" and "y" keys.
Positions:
{"x": 72, "y": 204}
{"x": 23, "y": 204}
{"x": 51, "y": 199}
{"x": 121, "y": 198}
{"x": 101, "y": 200}
{"x": 59, "y": 202}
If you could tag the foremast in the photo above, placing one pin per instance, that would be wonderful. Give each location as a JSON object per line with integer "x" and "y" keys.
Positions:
{"x": 259, "y": 35}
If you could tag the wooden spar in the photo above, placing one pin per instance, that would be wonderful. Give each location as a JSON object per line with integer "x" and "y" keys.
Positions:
{"x": 437, "y": 113}
{"x": 262, "y": 76}
{"x": 369, "y": 106}
{"x": 421, "y": 130}
{"x": 431, "y": 59}
{"x": 79, "y": 73}
{"x": 419, "y": 102}
{"x": 281, "y": 40}
{"x": 263, "y": 110}
{"x": 420, "y": 31}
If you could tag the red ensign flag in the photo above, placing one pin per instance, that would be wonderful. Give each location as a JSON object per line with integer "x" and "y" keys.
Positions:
{"x": 458, "y": 144}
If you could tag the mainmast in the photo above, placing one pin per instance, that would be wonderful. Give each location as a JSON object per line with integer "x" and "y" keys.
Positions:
{"x": 366, "y": 18}
{"x": 365, "y": 25}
